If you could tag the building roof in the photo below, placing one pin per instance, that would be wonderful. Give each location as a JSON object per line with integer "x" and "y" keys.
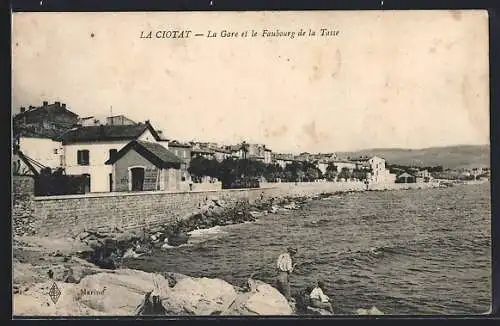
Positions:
{"x": 284, "y": 157}
{"x": 359, "y": 159}
{"x": 405, "y": 175}
{"x": 175, "y": 143}
{"x": 256, "y": 156}
{"x": 46, "y": 108}
{"x": 153, "y": 152}
{"x": 29, "y": 132}
{"x": 202, "y": 151}
{"x": 222, "y": 150}
{"x": 108, "y": 132}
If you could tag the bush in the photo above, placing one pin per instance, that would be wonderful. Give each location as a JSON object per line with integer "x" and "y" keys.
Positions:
{"x": 57, "y": 183}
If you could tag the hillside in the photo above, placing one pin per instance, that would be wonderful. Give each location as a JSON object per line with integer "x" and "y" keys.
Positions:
{"x": 452, "y": 157}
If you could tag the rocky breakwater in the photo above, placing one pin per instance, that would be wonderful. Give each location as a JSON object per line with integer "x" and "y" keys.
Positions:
{"x": 107, "y": 250}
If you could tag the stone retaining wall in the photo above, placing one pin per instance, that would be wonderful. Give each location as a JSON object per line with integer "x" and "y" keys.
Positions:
{"x": 23, "y": 185}
{"x": 70, "y": 215}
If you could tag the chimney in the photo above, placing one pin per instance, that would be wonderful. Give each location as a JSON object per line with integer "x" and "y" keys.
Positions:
{"x": 101, "y": 130}
{"x": 57, "y": 103}
{"x": 63, "y": 105}
{"x": 45, "y": 103}
{"x": 31, "y": 107}
{"x": 23, "y": 109}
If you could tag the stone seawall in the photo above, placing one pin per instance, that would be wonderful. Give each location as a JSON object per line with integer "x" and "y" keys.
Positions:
{"x": 73, "y": 214}
{"x": 23, "y": 185}
{"x": 70, "y": 215}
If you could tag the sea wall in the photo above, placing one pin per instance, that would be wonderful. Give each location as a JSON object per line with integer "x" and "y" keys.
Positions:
{"x": 70, "y": 215}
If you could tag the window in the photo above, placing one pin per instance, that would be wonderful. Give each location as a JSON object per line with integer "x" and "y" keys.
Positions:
{"x": 83, "y": 157}
{"x": 112, "y": 152}
{"x": 175, "y": 151}
{"x": 184, "y": 154}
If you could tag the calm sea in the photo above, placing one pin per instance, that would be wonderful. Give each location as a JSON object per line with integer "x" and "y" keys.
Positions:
{"x": 406, "y": 252}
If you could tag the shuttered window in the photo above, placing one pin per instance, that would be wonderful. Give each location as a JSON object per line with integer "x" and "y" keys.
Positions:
{"x": 83, "y": 157}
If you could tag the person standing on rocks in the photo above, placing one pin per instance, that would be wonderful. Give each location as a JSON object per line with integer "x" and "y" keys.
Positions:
{"x": 285, "y": 268}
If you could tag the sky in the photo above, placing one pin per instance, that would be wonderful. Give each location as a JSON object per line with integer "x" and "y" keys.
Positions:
{"x": 408, "y": 79}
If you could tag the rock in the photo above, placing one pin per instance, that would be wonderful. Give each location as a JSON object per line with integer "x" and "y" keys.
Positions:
{"x": 199, "y": 296}
{"x": 36, "y": 302}
{"x": 127, "y": 237}
{"x": 265, "y": 300}
{"x": 130, "y": 253}
{"x": 371, "y": 311}
{"x": 122, "y": 291}
{"x": 317, "y": 311}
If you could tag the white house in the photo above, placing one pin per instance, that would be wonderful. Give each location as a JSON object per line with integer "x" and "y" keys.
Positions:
{"x": 283, "y": 159}
{"x": 268, "y": 155}
{"x": 44, "y": 150}
{"x": 86, "y": 149}
{"x": 344, "y": 164}
{"x": 379, "y": 174}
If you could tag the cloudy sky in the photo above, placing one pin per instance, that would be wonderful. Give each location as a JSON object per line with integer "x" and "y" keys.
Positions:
{"x": 389, "y": 79}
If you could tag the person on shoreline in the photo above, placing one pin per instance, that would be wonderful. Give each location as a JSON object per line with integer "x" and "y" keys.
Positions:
{"x": 285, "y": 268}
{"x": 319, "y": 299}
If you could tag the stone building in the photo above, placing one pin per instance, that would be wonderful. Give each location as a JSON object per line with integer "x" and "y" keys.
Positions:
{"x": 145, "y": 166}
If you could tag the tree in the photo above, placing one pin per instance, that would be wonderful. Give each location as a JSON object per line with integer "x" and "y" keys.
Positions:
{"x": 311, "y": 171}
{"x": 331, "y": 172}
{"x": 359, "y": 174}
{"x": 200, "y": 167}
{"x": 345, "y": 173}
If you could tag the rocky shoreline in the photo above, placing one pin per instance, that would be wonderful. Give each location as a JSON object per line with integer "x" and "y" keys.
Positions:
{"x": 87, "y": 270}
{"x": 108, "y": 249}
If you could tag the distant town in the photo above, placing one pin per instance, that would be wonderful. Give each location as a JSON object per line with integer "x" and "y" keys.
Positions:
{"x": 71, "y": 154}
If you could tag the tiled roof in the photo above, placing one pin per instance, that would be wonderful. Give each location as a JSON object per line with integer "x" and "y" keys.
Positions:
{"x": 38, "y": 133}
{"x": 176, "y": 143}
{"x": 153, "y": 152}
{"x": 360, "y": 158}
{"x": 108, "y": 132}
{"x": 202, "y": 151}
{"x": 405, "y": 175}
{"x": 46, "y": 109}
{"x": 284, "y": 157}
{"x": 161, "y": 152}
{"x": 222, "y": 150}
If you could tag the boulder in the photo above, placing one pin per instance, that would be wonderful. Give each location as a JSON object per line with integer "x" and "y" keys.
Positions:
{"x": 264, "y": 300}
{"x": 317, "y": 311}
{"x": 199, "y": 296}
{"x": 118, "y": 293}
{"x": 37, "y": 302}
{"x": 371, "y": 311}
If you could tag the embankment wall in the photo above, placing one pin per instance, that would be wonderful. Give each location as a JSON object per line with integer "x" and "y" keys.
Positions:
{"x": 23, "y": 185}
{"x": 73, "y": 214}
{"x": 70, "y": 215}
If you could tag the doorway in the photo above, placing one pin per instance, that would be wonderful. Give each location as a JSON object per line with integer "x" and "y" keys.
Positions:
{"x": 137, "y": 176}
{"x": 111, "y": 182}
{"x": 86, "y": 184}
